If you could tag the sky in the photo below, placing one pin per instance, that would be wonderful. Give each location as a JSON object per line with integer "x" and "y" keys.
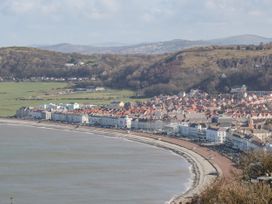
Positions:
{"x": 93, "y": 22}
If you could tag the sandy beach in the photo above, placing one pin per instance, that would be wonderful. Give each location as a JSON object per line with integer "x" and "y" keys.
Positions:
{"x": 207, "y": 165}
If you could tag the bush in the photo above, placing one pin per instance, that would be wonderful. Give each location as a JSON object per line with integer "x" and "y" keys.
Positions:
{"x": 240, "y": 189}
{"x": 164, "y": 89}
{"x": 235, "y": 192}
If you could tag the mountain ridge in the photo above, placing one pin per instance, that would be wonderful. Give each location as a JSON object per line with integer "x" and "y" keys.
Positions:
{"x": 161, "y": 47}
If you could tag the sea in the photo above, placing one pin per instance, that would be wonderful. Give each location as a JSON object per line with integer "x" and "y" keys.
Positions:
{"x": 55, "y": 166}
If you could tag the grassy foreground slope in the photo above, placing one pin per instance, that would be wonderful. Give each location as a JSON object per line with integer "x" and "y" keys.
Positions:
{"x": 15, "y": 95}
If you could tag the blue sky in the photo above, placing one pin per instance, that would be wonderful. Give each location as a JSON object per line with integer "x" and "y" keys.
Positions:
{"x": 28, "y": 22}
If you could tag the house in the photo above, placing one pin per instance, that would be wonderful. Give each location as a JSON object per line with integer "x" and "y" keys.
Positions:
{"x": 184, "y": 129}
{"x": 77, "y": 118}
{"x": 237, "y": 141}
{"x": 105, "y": 121}
{"x": 23, "y": 112}
{"x": 72, "y": 106}
{"x": 157, "y": 125}
{"x": 80, "y": 63}
{"x": 46, "y": 115}
{"x": 124, "y": 122}
{"x": 241, "y": 89}
{"x": 116, "y": 104}
{"x": 197, "y": 130}
{"x": 222, "y": 120}
{"x": 195, "y": 117}
{"x": 148, "y": 124}
{"x": 134, "y": 123}
{"x": 69, "y": 64}
{"x": 36, "y": 114}
{"x": 192, "y": 130}
{"x": 40, "y": 114}
{"x": 94, "y": 120}
{"x": 216, "y": 135}
{"x": 171, "y": 129}
{"x": 261, "y": 134}
{"x": 58, "y": 116}
{"x": 99, "y": 89}
{"x": 109, "y": 121}
{"x": 144, "y": 124}
{"x": 31, "y": 113}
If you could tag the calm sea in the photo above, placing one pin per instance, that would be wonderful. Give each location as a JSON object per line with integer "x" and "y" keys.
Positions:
{"x": 46, "y": 166}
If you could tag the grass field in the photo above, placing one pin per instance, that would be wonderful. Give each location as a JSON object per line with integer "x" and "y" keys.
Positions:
{"x": 15, "y": 95}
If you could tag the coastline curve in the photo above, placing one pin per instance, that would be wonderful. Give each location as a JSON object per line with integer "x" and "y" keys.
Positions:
{"x": 204, "y": 171}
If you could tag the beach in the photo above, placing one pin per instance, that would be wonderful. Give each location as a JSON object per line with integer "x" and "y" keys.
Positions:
{"x": 207, "y": 165}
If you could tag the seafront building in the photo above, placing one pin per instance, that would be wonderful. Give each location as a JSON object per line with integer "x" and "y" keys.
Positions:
{"x": 240, "y": 121}
{"x": 216, "y": 135}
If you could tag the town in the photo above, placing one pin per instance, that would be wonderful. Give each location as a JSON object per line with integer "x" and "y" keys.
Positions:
{"x": 240, "y": 120}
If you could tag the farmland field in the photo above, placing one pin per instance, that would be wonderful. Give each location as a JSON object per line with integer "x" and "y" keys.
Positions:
{"x": 14, "y": 95}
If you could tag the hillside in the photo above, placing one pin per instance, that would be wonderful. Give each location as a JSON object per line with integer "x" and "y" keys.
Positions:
{"x": 23, "y": 62}
{"x": 144, "y": 48}
{"x": 212, "y": 68}
{"x": 156, "y": 47}
{"x": 240, "y": 40}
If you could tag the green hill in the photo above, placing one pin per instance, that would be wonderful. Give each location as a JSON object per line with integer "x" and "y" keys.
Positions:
{"x": 213, "y": 68}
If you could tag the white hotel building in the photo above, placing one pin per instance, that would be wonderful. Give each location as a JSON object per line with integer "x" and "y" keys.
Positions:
{"x": 216, "y": 135}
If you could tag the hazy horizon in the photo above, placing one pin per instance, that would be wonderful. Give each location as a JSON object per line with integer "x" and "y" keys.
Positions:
{"x": 92, "y": 22}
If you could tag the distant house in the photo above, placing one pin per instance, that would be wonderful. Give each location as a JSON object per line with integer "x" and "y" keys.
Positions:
{"x": 58, "y": 116}
{"x": 80, "y": 89}
{"x": 77, "y": 118}
{"x": 124, "y": 122}
{"x": 262, "y": 134}
{"x": 171, "y": 128}
{"x": 242, "y": 89}
{"x": 99, "y": 89}
{"x": 72, "y": 106}
{"x": 237, "y": 141}
{"x": 94, "y": 120}
{"x": 36, "y": 114}
{"x": 23, "y": 112}
{"x": 141, "y": 124}
{"x": 184, "y": 129}
{"x": 192, "y": 130}
{"x": 105, "y": 121}
{"x": 46, "y": 115}
{"x": 69, "y": 65}
{"x": 116, "y": 104}
{"x": 223, "y": 120}
{"x": 195, "y": 117}
{"x": 216, "y": 135}
{"x": 80, "y": 63}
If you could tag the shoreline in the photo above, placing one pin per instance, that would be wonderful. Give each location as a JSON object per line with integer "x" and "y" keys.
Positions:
{"x": 205, "y": 171}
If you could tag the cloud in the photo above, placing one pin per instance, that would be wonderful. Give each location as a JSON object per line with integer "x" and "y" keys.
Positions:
{"x": 82, "y": 21}
{"x": 23, "y": 7}
{"x": 17, "y": 6}
{"x": 155, "y": 13}
{"x": 88, "y": 8}
{"x": 256, "y": 13}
